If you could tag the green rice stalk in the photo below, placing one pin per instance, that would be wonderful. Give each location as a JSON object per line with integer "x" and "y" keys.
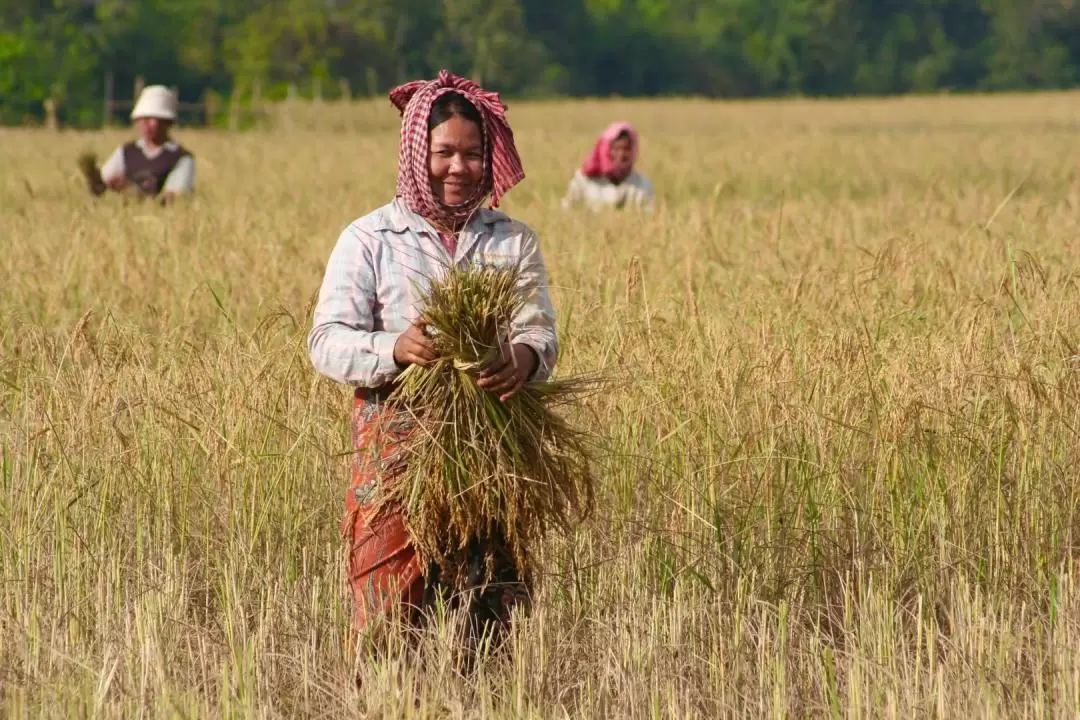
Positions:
{"x": 477, "y": 468}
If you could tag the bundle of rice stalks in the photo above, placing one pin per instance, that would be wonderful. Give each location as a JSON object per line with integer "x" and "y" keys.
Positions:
{"x": 87, "y": 162}
{"x": 88, "y": 166}
{"x": 479, "y": 469}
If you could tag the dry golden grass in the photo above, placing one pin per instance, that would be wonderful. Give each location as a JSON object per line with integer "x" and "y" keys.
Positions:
{"x": 841, "y": 468}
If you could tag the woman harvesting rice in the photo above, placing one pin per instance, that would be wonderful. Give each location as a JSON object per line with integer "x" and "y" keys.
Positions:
{"x": 607, "y": 177}
{"x": 456, "y": 150}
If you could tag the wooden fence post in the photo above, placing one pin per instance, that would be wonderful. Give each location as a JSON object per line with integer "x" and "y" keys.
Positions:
{"x": 50, "y": 114}
{"x": 289, "y": 107}
{"x": 255, "y": 108}
{"x": 139, "y": 85}
{"x": 106, "y": 118}
{"x": 211, "y": 108}
{"x": 345, "y": 90}
{"x": 234, "y": 111}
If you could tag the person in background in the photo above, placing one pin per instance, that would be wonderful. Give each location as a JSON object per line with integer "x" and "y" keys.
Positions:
{"x": 456, "y": 155}
{"x": 153, "y": 165}
{"x": 607, "y": 177}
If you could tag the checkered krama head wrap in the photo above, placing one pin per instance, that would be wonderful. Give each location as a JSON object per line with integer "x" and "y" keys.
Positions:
{"x": 502, "y": 164}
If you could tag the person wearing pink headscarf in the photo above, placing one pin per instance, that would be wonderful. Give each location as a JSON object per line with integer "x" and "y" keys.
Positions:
{"x": 607, "y": 177}
{"x": 456, "y": 160}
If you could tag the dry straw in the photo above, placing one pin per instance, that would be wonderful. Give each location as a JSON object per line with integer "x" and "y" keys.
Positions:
{"x": 477, "y": 468}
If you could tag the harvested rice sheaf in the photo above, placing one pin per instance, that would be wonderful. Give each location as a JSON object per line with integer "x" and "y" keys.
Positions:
{"x": 477, "y": 468}
{"x": 87, "y": 162}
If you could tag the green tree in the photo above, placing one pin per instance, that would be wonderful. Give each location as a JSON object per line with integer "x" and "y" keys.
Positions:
{"x": 63, "y": 48}
{"x": 1024, "y": 52}
{"x": 486, "y": 40}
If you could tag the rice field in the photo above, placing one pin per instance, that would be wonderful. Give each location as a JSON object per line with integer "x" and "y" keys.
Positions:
{"x": 840, "y": 448}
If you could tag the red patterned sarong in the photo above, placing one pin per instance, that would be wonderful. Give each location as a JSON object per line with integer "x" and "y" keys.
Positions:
{"x": 385, "y": 575}
{"x": 383, "y": 570}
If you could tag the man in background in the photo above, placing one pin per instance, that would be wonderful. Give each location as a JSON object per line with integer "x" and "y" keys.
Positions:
{"x": 154, "y": 165}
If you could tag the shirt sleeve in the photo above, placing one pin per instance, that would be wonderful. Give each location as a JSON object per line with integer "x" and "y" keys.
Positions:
{"x": 182, "y": 177}
{"x": 574, "y": 192}
{"x": 343, "y": 344}
{"x": 534, "y": 324}
{"x": 113, "y": 168}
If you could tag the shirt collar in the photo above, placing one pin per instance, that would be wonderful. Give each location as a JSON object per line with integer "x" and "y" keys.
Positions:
{"x": 169, "y": 145}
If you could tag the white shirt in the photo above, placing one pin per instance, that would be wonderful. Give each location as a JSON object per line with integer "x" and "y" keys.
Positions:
{"x": 180, "y": 180}
{"x": 599, "y": 193}
{"x": 381, "y": 265}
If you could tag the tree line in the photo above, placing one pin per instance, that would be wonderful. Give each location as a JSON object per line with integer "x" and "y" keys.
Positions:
{"x": 63, "y": 49}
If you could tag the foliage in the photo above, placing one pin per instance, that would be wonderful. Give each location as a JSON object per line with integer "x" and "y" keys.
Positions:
{"x": 580, "y": 47}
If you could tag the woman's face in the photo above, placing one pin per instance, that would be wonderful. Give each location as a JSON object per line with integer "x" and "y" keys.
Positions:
{"x": 457, "y": 160}
{"x": 622, "y": 157}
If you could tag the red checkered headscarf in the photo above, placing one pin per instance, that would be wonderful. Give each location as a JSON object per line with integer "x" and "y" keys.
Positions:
{"x": 599, "y": 164}
{"x": 502, "y": 165}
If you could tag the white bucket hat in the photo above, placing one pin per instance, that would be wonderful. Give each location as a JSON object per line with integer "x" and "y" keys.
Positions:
{"x": 155, "y": 101}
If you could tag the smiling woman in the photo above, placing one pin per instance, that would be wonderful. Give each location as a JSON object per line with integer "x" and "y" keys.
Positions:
{"x": 456, "y": 151}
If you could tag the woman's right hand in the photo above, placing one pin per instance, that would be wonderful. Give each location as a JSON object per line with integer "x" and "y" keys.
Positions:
{"x": 413, "y": 347}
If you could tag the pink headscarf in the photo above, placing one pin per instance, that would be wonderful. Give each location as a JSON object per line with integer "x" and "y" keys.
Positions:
{"x": 598, "y": 164}
{"x": 502, "y": 165}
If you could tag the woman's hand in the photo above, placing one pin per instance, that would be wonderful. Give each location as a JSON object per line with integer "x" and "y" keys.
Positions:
{"x": 413, "y": 346}
{"x": 506, "y": 376}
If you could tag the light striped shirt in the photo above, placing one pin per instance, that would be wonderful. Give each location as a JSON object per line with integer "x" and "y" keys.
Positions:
{"x": 381, "y": 265}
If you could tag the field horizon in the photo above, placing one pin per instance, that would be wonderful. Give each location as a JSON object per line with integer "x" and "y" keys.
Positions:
{"x": 839, "y": 463}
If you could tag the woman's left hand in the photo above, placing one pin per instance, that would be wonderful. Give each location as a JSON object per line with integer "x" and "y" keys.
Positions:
{"x": 506, "y": 376}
